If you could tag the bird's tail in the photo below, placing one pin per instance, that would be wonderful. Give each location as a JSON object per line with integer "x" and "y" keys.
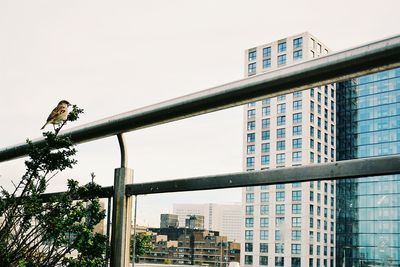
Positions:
{"x": 43, "y": 126}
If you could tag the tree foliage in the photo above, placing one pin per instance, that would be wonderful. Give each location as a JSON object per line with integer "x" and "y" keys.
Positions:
{"x": 35, "y": 231}
{"x": 143, "y": 244}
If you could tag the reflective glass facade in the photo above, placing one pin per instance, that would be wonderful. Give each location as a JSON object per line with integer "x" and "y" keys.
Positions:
{"x": 368, "y": 209}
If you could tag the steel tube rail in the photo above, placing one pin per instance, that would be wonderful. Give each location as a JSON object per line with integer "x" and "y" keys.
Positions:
{"x": 355, "y": 168}
{"x": 372, "y": 57}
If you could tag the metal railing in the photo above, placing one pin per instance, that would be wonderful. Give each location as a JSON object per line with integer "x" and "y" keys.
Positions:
{"x": 369, "y": 58}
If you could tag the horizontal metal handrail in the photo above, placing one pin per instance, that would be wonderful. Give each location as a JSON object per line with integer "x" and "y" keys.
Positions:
{"x": 355, "y": 168}
{"x": 373, "y": 57}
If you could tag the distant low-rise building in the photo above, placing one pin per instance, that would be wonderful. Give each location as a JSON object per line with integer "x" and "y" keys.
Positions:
{"x": 185, "y": 246}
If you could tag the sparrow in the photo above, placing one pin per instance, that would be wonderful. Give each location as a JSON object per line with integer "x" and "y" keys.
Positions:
{"x": 59, "y": 114}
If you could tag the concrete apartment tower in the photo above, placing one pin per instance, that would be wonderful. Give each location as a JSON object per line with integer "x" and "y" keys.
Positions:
{"x": 292, "y": 224}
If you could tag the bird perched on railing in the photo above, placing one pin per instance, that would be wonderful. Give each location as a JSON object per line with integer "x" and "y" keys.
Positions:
{"x": 59, "y": 114}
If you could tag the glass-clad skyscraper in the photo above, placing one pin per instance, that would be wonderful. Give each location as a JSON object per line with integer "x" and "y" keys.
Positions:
{"x": 368, "y": 209}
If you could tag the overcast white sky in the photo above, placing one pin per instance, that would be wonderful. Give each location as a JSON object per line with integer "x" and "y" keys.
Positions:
{"x": 109, "y": 57}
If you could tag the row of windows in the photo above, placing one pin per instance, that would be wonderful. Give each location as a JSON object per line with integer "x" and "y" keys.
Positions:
{"x": 280, "y": 159}
{"x": 296, "y": 221}
{"x": 280, "y": 196}
{"x": 280, "y": 133}
{"x": 280, "y": 120}
{"x": 280, "y": 145}
{"x": 281, "y": 60}
{"x": 280, "y": 261}
{"x": 279, "y": 248}
{"x": 281, "y": 108}
{"x": 298, "y": 185}
{"x": 282, "y": 47}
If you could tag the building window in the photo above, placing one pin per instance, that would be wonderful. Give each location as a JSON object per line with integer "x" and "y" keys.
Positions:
{"x": 280, "y": 209}
{"x": 280, "y": 133}
{"x": 266, "y": 101}
{"x": 280, "y": 196}
{"x": 263, "y": 260}
{"x": 263, "y": 234}
{"x": 296, "y": 184}
{"x": 267, "y": 63}
{"x": 278, "y": 235}
{"x": 264, "y": 196}
{"x": 252, "y": 68}
{"x": 251, "y": 137}
{"x": 279, "y": 248}
{"x": 296, "y": 208}
{"x": 297, "y": 55}
{"x": 252, "y": 55}
{"x": 279, "y": 261}
{"x": 265, "y": 123}
{"x": 281, "y": 120}
{"x": 250, "y": 162}
{"x": 279, "y": 221}
{"x": 280, "y": 158}
{"x": 296, "y": 156}
{"x": 248, "y": 259}
{"x": 297, "y": 104}
{"x": 281, "y": 47}
{"x": 297, "y": 143}
{"x": 251, "y": 125}
{"x": 280, "y": 145}
{"x": 297, "y": 117}
{"x": 248, "y": 247}
{"x": 251, "y": 149}
{"x": 296, "y": 235}
{"x": 296, "y": 195}
{"x": 266, "y": 111}
{"x": 282, "y": 108}
{"x": 280, "y": 186}
{"x": 265, "y": 135}
{"x": 297, "y": 94}
{"x": 263, "y": 222}
{"x": 265, "y": 160}
{"x": 263, "y": 247}
{"x": 249, "y": 197}
{"x": 296, "y": 222}
{"x": 265, "y": 148}
{"x": 296, "y": 248}
{"x": 249, "y": 222}
{"x": 297, "y": 130}
{"x": 251, "y": 104}
{"x": 248, "y": 234}
{"x": 296, "y": 262}
{"x": 249, "y": 210}
{"x": 281, "y": 60}
{"x": 251, "y": 114}
{"x": 264, "y": 209}
{"x": 267, "y": 51}
{"x": 298, "y": 42}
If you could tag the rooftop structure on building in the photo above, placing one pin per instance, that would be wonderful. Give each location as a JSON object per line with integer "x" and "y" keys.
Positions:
{"x": 225, "y": 218}
{"x": 169, "y": 220}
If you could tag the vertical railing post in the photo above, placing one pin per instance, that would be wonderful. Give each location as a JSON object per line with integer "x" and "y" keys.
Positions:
{"x": 121, "y": 212}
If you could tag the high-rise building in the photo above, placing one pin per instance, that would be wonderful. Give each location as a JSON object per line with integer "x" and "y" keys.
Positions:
{"x": 368, "y": 214}
{"x": 225, "y": 218}
{"x": 292, "y": 224}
